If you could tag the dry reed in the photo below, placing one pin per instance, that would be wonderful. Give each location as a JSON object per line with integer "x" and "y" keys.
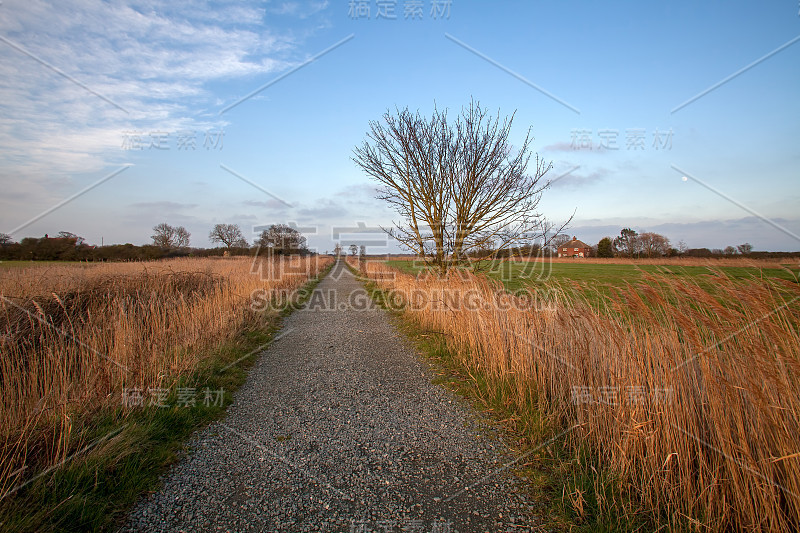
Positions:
{"x": 690, "y": 396}
{"x": 72, "y": 337}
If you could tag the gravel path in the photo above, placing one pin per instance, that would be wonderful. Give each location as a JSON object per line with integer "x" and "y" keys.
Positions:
{"x": 338, "y": 428}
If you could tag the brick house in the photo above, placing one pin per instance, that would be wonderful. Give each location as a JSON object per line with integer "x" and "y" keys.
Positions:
{"x": 574, "y": 248}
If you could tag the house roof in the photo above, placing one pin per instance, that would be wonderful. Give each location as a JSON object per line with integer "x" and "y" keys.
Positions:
{"x": 575, "y": 243}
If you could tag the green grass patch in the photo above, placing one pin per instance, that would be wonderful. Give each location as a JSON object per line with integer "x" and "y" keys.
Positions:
{"x": 518, "y": 274}
{"x": 594, "y": 282}
{"x": 123, "y": 452}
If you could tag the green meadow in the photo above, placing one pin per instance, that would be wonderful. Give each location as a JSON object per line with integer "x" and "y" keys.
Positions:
{"x": 594, "y": 279}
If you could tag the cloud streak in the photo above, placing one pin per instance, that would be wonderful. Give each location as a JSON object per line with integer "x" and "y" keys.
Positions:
{"x": 153, "y": 60}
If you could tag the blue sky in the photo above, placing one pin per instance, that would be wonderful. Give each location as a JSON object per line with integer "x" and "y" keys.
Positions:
{"x": 88, "y": 88}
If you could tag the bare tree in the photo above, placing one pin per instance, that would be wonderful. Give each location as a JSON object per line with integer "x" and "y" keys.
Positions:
{"x": 163, "y": 235}
{"x": 353, "y": 250}
{"x": 228, "y": 234}
{"x": 69, "y": 235}
{"x": 745, "y": 248}
{"x": 167, "y": 236}
{"x": 557, "y": 241}
{"x": 182, "y": 237}
{"x": 5, "y": 238}
{"x": 456, "y": 186}
{"x": 337, "y": 250}
{"x": 653, "y": 244}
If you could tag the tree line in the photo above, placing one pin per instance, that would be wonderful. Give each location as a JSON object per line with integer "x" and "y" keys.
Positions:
{"x": 281, "y": 239}
{"x": 628, "y": 244}
{"x": 167, "y": 241}
{"x": 632, "y": 244}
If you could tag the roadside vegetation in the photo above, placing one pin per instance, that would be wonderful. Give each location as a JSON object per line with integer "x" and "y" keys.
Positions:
{"x": 675, "y": 386}
{"x": 677, "y": 393}
{"x": 108, "y": 368}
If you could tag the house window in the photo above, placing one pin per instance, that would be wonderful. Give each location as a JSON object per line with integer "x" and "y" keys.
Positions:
{"x": 577, "y": 249}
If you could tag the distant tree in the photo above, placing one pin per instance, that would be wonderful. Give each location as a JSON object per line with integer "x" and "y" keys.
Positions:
{"x": 69, "y": 235}
{"x": 337, "y": 250}
{"x": 182, "y": 237}
{"x": 717, "y": 251}
{"x": 698, "y": 252}
{"x": 627, "y": 243}
{"x": 559, "y": 240}
{"x": 362, "y": 257}
{"x": 532, "y": 250}
{"x": 353, "y": 250}
{"x": 682, "y": 247}
{"x": 653, "y": 244}
{"x": 228, "y": 234}
{"x": 730, "y": 250}
{"x": 166, "y": 236}
{"x": 163, "y": 235}
{"x": 282, "y": 240}
{"x": 5, "y": 238}
{"x": 49, "y": 249}
{"x": 605, "y": 248}
{"x": 745, "y": 248}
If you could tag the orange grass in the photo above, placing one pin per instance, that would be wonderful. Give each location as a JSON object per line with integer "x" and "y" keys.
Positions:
{"x": 692, "y": 399}
{"x": 73, "y": 336}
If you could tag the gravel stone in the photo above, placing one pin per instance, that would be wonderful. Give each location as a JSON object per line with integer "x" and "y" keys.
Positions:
{"x": 339, "y": 428}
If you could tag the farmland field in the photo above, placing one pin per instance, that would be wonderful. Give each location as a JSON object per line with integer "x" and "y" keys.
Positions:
{"x": 594, "y": 281}
{"x": 518, "y": 274}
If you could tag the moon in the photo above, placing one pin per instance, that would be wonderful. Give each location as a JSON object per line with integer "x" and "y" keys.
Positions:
{"x": 685, "y": 178}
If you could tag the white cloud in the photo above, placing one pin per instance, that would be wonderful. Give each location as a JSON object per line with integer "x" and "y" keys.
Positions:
{"x": 575, "y": 179}
{"x": 151, "y": 58}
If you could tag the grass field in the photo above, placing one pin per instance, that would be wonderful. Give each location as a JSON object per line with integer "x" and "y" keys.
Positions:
{"x": 595, "y": 282}
{"x": 681, "y": 392}
{"x": 516, "y": 275}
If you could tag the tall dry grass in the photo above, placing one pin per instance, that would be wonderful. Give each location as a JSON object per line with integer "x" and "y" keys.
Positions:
{"x": 691, "y": 398}
{"x": 74, "y": 336}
